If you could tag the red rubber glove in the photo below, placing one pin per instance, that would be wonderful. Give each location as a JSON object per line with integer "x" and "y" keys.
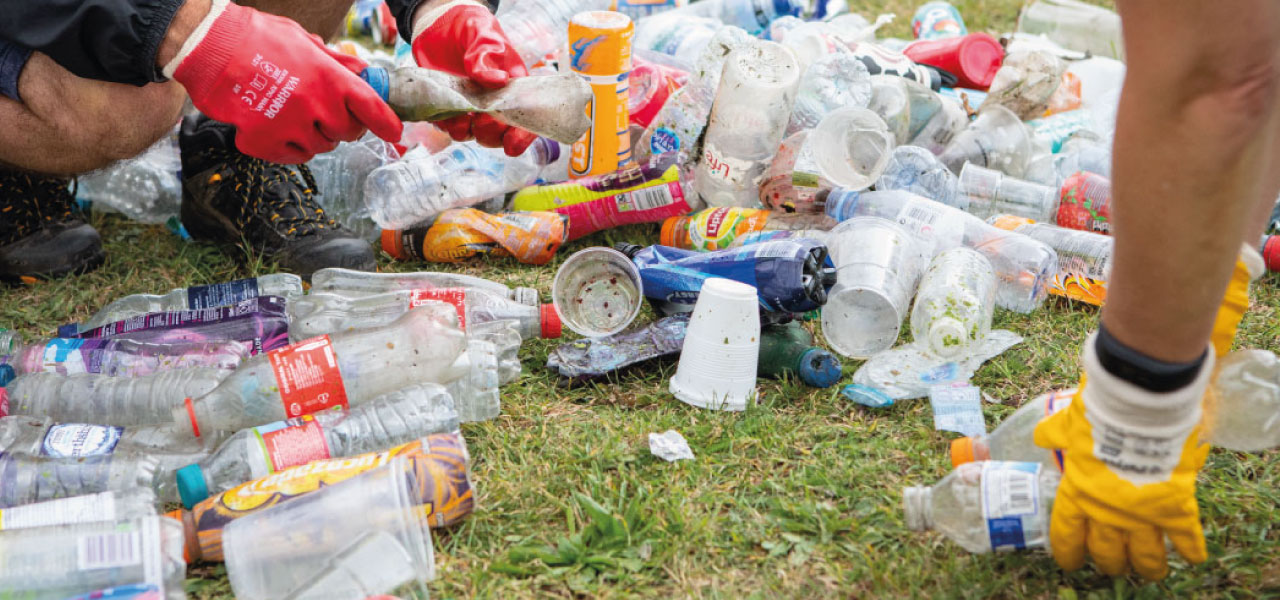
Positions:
{"x": 463, "y": 38}
{"x": 288, "y": 96}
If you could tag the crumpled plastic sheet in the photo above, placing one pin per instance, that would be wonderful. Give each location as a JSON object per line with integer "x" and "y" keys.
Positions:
{"x": 909, "y": 371}
{"x": 670, "y": 446}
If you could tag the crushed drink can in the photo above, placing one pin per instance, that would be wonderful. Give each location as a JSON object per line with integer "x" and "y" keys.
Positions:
{"x": 600, "y": 53}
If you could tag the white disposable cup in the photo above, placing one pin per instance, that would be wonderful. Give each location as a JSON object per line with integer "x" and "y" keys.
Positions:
{"x": 878, "y": 266}
{"x": 717, "y": 367}
{"x": 597, "y": 292}
{"x": 363, "y": 536}
{"x": 851, "y": 146}
{"x": 997, "y": 139}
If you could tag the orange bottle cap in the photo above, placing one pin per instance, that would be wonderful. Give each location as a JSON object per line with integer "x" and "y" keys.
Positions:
{"x": 392, "y": 244}
{"x": 962, "y": 451}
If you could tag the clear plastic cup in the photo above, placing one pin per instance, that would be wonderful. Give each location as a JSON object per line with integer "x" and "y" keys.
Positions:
{"x": 878, "y": 265}
{"x": 851, "y": 147}
{"x": 361, "y": 537}
{"x": 597, "y": 292}
{"x": 718, "y": 362}
{"x": 997, "y": 139}
{"x": 990, "y": 193}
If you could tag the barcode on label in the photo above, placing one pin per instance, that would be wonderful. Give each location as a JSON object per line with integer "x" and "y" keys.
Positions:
{"x": 1019, "y": 496}
{"x": 920, "y": 215}
{"x": 109, "y": 550}
{"x": 646, "y": 198}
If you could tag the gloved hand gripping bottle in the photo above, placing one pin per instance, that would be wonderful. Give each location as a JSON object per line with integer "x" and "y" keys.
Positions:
{"x": 286, "y": 285}
{"x": 345, "y": 369}
{"x": 357, "y": 284}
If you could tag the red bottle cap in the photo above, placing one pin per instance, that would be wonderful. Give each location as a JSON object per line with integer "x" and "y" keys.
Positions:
{"x": 550, "y": 321}
{"x": 973, "y": 59}
{"x": 1271, "y": 253}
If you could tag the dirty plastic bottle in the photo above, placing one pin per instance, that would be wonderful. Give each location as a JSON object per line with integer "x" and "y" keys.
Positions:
{"x": 458, "y": 234}
{"x": 1023, "y": 266}
{"x": 356, "y": 284}
{"x": 831, "y": 82}
{"x": 753, "y": 16}
{"x": 139, "y": 558}
{"x": 44, "y": 436}
{"x": 987, "y": 506}
{"x": 146, "y": 188}
{"x": 788, "y": 350}
{"x": 118, "y": 358}
{"x": 421, "y": 186}
{"x": 953, "y": 307}
{"x": 34, "y": 478}
{"x": 716, "y": 228}
{"x": 107, "y": 400}
{"x": 1084, "y": 258}
{"x": 318, "y": 314}
{"x": 196, "y": 297}
{"x": 393, "y": 419}
{"x": 542, "y": 27}
{"x": 340, "y": 176}
{"x": 345, "y": 369}
{"x": 124, "y": 505}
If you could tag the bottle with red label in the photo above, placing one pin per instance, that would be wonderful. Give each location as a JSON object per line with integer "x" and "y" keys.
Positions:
{"x": 1085, "y": 203}
{"x": 461, "y": 233}
{"x": 393, "y": 419}
{"x": 318, "y": 314}
{"x": 346, "y": 369}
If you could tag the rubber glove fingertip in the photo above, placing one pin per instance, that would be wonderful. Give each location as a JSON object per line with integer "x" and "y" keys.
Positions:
{"x": 1067, "y": 534}
{"x": 491, "y": 78}
{"x": 517, "y": 141}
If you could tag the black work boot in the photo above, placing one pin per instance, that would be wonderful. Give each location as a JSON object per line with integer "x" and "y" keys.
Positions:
{"x": 229, "y": 197}
{"x": 39, "y": 236}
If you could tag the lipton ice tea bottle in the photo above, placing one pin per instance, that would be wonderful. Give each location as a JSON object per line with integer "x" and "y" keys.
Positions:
{"x": 600, "y": 52}
{"x": 717, "y": 228}
{"x": 457, "y": 234}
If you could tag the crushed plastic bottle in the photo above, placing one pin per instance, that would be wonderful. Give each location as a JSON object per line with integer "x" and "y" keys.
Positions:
{"x": 10, "y": 341}
{"x": 597, "y": 357}
{"x": 196, "y": 297}
{"x": 37, "y": 478}
{"x": 346, "y": 369}
{"x": 259, "y": 323}
{"x": 357, "y": 284}
{"x": 146, "y": 188}
{"x": 476, "y": 392}
{"x": 340, "y": 177}
{"x": 987, "y": 506}
{"x": 393, "y": 419}
{"x": 953, "y": 307}
{"x": 833, "y": 81}
{"x": 42, "y": 435}
{"x": 753, "y": 16}
{"x": 118, "y": 358}
{"x": 675, "y": 35}
{"x": 108, "y": 400}
{"x": 461, "y": 233}
{"x": 541, "y": 28}
{"x": 140, "y": 558}
{"x": 125, "y": 505}
{"x": 916, "y": 170}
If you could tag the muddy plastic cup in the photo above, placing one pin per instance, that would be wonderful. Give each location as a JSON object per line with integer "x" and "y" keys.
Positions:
{"x": 718, "y": 362}
{"x": 361, "y": 537}
{"x": 997, "y": 139}
{"x": 597, "y": 292}
{"x": 878, "y": 266}
{"x": 990, "y": 192}
{"x": 851, "y": 147}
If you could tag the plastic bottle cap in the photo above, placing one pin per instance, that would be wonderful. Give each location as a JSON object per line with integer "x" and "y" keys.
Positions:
{"x": 947, "y": 337}
{"x": 551, "y": 327}
{"x": 962, "y": 451}
{"x": 819, "y": 368}
{"x": 191, "y": 485}
{"x": 392, "y": 244}
{"x": 668, "y": 235}
{"x": 6, "y": 374}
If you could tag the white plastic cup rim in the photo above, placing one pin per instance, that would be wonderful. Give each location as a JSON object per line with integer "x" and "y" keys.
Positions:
{"x": 615, "y": 260}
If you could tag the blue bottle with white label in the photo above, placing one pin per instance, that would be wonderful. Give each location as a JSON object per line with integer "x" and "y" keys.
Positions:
{"x": 1013, "y": 501}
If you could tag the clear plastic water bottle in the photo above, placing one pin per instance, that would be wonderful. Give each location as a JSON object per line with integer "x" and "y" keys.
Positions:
{"x": 395, "y": 418}
{"x": 340, "y": 177}
{"x": 44, "y": 436}
{"x": 124, "y": 505}
{"x": 753, "y": 16}
{"x": 541, "y": 28}
{"x": 135, "y": 558}
{"x": 357, "y": 284}
{"x": 833, "y": 81}
{"x": 505, "y": 338}
{"x": 987, "y": 506}
{"x": 107, "y": 400}
{"x": 146, "y": 188}
{"x": 683, "y": 37}
{"x": 345, "y": 369}
{"x": 286, "y": 285}
{"x": 916, "y": 170}
{"x": 952, "y": 312}
{"x": 1084, "y": 257}
{"x": 318, "y": 314}
{"x": 421, "y": 186}
{"x": 34, "y": 478}
{"x": 117, "y": 357}
{"x": 1023, "y": 266}
{"x": 477, "y": 391}
{"x": 1013, "y": 438}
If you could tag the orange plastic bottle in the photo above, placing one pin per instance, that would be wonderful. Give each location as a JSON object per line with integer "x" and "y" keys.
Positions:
{"x": 458, "y": 234}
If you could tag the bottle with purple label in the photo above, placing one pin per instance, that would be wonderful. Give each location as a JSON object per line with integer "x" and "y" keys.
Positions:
{"x": 118, "y": 357}
{"x": 197, "y": 297}
{"x": 259, "y": 322}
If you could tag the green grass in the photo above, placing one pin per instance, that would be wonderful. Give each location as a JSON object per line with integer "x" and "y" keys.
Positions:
{"x": 796, "y": 497}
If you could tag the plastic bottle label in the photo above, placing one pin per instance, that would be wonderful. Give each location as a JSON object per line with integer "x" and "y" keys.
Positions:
{"x": 716, "y": 228}
{"x": 221, "y": 294}
{"x": 77, "y": 509}
{"x": 958, "y": 408}
{"x": 308, "y": 377}
{"x": 455, "y": 296}
{"x": 1084, "y": 262}
{"x": 76, "y": 440}
{"x": 112, "y": 550}
{"x": 292, "y": 442}
{"x": 658, "y": 199}
{"x": 1086, "y": 203}
{"x": 664, "y": 140}
{"x": 64, "y": 356}
{"x": 1011, "y": 504}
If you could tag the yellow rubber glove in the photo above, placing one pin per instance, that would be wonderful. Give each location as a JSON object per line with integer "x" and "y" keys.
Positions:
{"x": 1249, "y": 266}
{"x": 1129, "y": 477}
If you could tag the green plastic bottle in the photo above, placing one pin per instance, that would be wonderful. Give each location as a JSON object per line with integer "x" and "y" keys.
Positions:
{"x": 788, "y": 349}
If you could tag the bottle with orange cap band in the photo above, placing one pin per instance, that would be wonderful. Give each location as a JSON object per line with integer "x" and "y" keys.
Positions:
{"x": 458, "y": 234}
{"x": 716, "y": 228}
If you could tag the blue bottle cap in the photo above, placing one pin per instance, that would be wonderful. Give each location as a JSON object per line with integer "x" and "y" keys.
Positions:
{"x": 191, "y": 486}
{"x": 819, "y": 368}
{"x": 6, "y": 374}
{"x": 866, "y": 396}
{"x": 379, "y": 80}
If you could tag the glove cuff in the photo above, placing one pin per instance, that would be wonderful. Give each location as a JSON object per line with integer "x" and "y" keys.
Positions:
{"x": 207, "y": 51}
{"x": 429, "y": 18}
{"x": 1253, "y": 261}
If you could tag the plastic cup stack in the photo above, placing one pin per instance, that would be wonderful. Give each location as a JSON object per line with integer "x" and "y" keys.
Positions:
{"x": 717, "y": 367}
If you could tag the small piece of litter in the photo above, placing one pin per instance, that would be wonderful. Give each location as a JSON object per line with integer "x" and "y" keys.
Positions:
{"x": 670, "y": 446}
